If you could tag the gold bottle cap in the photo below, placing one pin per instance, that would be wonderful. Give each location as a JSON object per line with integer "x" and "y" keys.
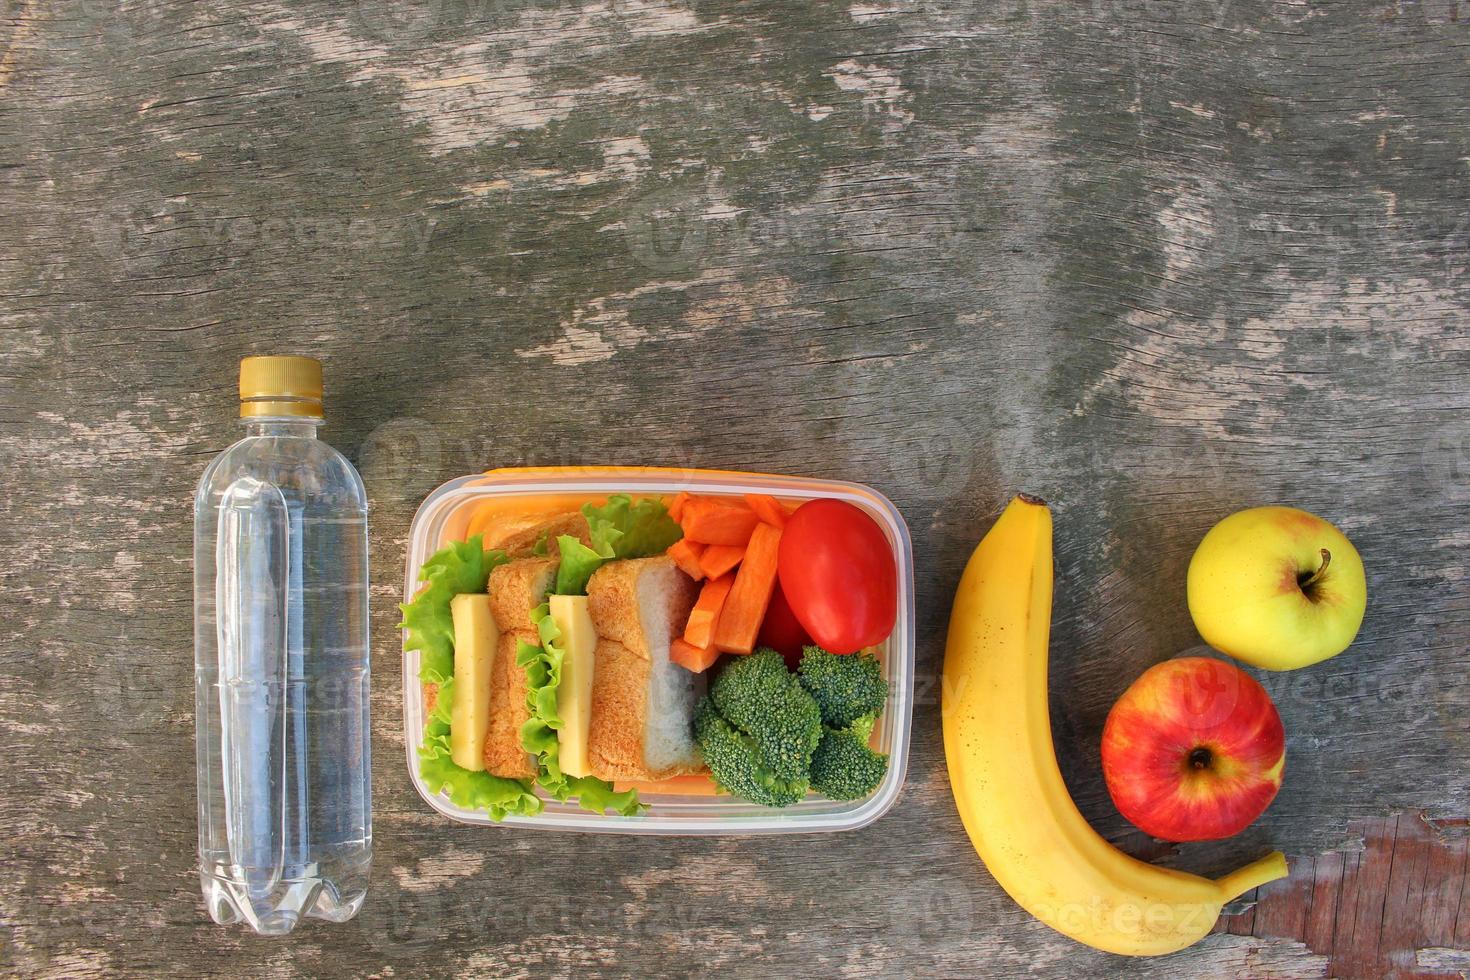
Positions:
{"x": 281, "y": 386}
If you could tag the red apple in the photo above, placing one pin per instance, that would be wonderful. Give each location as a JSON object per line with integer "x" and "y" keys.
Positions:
{"x": 1194, "y": 750}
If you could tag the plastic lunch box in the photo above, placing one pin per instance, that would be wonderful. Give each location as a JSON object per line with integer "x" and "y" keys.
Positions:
{"x": 443, "y": 517}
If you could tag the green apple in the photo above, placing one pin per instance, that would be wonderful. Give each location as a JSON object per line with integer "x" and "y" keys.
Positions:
{"x": 1277, "y": 587}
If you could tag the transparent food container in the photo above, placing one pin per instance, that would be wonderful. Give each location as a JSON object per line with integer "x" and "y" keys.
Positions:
{"x": 451, "y": 513}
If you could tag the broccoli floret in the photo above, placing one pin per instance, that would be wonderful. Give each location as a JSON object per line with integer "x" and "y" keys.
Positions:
{"x": 844, "y": 768}
{"x": 847, "y": 688}
{"x": 758, "y": 728}
{"x": 764, "y": 701}
{"x": 850, "y": 693}
{"x": 863, "y": 727}
{"x": 737, "y": 764}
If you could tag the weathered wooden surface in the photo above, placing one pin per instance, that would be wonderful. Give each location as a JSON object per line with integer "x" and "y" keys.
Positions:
{"x": 1154, "y": 261}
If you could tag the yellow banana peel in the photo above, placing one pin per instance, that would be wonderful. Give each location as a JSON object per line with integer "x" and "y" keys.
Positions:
{"x": 1004, "y": 773}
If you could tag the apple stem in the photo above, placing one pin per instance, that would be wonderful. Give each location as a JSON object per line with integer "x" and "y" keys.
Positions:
{"x": 1321, "y": 570}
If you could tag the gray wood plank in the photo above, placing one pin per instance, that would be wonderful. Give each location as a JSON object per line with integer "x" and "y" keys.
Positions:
{"x": 1155, "y": 262}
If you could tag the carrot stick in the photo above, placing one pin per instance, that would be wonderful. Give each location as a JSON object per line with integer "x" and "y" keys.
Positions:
{"x": 709, "y": 520}
{"x": 687, "y": 555}
{"x": 767, "y": 508}
{"x": 700, "y": 630}
{"x": 691, "y": 657}
{"x": 676, "y": 506}
{"x": 699, "y": 784}
{"x": 745, "y": 607}
{"x": 719, "y": 559}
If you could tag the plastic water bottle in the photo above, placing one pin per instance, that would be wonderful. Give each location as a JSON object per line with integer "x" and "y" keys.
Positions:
{"x": 281, "y": 663}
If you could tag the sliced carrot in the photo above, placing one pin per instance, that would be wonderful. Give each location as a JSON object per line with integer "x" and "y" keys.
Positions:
{"x": 493, "y": 513}
{"x": 740, "y": 620}
{"x": 711, "y": 520}
{"x": 691, "y": 657}
{"x": 687, "y": 555}
{"x": 676, "y": 506}
{"x": 767, "y": 508}
{"x": 720, "y": 558}
{"x": 700, "y": 629}
{"x": 698, "y": 784}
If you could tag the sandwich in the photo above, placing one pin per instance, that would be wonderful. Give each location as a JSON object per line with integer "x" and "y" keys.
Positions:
{"x": 515, "y": 589}
{"x": 642, "y": 703}
{"x": 546, "y": 662}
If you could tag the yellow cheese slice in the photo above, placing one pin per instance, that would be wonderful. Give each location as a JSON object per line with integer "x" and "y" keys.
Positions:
{"x": 475, "y": 639}
{"x": 574, "y": 697}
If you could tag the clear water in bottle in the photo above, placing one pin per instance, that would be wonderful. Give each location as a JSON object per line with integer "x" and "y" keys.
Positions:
{"x": 281, "y": 664}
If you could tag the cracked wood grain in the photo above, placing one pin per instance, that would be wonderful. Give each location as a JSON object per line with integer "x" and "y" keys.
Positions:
{"x": 1393, "y": 906}
{"x": 1154, "y": 262}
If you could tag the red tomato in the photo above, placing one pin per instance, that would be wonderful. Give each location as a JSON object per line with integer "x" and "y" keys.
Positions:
{"x": 839, "y": 575}
{"x": 781, "y": 630}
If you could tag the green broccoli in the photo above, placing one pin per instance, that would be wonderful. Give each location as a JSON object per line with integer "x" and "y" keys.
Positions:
{"x": 847, "y": 688}
{"x": 850, "y": 692}
{"x": 758, "y": 728}
{"x": 736, "y": 762}
{"x": 758, "y": 696}
{"x": 844, "y": 768}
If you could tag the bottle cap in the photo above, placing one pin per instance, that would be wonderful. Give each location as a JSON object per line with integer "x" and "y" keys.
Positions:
{"x": 280, "y": 386}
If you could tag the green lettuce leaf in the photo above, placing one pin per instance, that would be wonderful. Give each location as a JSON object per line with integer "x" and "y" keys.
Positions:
{"x": 618, "y": 529}
{"x": 543, "y": 666}
{"x": 444, "y": 703}
{"x": 463, "y": 566}
{"x": 578, "y": 562}
{"x": 453, "y": 570}
{"x": 598, "y": 796}
{"x": 473, "y": 790}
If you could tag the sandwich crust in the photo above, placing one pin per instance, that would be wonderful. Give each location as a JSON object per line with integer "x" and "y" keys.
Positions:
{"x": 619, "y": 712}
{"x": 613, "y": 603}
{"x": 518, "y": 542}
{"x": 503, "y": 753}
{"x": 642, "y": 703}
{"x": 516, "y": 588}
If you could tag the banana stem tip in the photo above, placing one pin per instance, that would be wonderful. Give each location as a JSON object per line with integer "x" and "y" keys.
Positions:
{"x": 1253, "y": 875}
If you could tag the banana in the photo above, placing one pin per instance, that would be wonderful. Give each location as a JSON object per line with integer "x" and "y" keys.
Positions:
{"x": 1003, "y": 768}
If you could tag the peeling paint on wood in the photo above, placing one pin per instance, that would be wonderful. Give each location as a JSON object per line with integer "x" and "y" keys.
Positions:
{"x": 1390, "y": 907}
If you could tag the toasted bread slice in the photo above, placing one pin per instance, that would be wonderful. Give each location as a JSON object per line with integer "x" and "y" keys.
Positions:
{"x": 518, "y": 541}
{"x": 641, "y": 603}
{"x": 615, "y": 734}
{"x": 516, "y": 588}
{"x": 504, "y": 755}
{"x": 642, "y": 703}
